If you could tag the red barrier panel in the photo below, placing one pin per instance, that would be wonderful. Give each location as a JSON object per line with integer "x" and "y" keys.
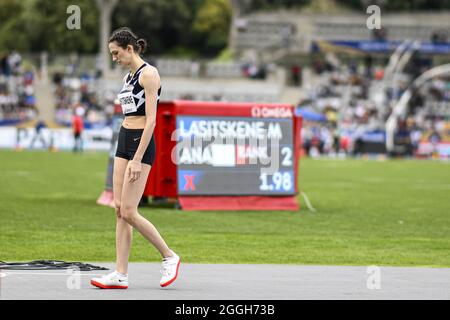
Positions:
{"x": 162, "y": 180}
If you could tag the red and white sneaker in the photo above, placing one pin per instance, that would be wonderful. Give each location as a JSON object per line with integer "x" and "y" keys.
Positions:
{"x": 113, "y": 280}
{"x": 169, "y": 269}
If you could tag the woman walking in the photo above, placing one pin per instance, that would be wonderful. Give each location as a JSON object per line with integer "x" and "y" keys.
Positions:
{"x": 134, "y": 157}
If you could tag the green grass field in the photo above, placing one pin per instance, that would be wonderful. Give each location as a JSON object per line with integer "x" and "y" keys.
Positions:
{"x": 394, "y": 212}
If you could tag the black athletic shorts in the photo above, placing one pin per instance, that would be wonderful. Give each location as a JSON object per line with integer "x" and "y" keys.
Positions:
{"x": 129, "y": 142}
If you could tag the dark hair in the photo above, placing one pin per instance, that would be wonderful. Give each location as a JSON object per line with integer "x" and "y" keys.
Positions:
{"x": 124, "y": 37}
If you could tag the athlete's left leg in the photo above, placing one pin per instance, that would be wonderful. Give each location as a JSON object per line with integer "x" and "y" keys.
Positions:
{"x": 131, "y": 195}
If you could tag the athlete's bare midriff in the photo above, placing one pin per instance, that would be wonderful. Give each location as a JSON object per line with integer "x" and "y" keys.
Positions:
{"x": 134, "y": 122}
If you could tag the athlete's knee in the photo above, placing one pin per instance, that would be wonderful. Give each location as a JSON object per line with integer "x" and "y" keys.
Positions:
{"x": 117, "y": 209}
{"x": 128, "y": 213}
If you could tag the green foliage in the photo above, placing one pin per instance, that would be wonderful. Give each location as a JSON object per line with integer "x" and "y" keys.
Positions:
{"x": 212, "y": 25}
{"x": 56, "y": 35}
{"x": 13, "y": 36}
{"x": 164, "y": 24}
{"x": 8, "y": 8}
{"x": 12, "y": 28}
{"x": 40, "y": 25}
{"x": 224, "y": 56}
{"x": 188, "y": 27}
{"x": 277, "y": 4}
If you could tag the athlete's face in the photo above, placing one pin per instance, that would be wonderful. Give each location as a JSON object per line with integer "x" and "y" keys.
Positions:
{"x": 119, "y": 55}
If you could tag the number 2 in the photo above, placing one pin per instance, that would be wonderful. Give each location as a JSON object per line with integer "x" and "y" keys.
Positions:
{"x": 287, "y": 153}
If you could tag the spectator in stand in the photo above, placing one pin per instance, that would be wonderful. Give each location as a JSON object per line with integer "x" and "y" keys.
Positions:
{"x": 380, "y": 34}
{"x": 4, "y": 65}
{"x": 296, "y": 74}
{"x": 15, "y": 63}
{"x": 416, "y": 135}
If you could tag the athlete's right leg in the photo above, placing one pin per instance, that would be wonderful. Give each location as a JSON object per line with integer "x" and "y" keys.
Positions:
{"x": 124, "y": 231}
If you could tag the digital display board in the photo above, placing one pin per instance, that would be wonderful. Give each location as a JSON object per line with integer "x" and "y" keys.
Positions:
{"x": 217, "y": 155}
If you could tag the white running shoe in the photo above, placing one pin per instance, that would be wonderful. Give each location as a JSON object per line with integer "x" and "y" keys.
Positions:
{"x": 113, "y": 280}
{"x": 169, "y": 270}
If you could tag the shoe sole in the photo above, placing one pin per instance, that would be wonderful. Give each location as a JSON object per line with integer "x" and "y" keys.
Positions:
{"x": 102, "y": 286}
{"x": 165, "y": 284}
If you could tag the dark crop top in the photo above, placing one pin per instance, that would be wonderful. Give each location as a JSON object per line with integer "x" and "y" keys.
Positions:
{"x": 138, "y": 92}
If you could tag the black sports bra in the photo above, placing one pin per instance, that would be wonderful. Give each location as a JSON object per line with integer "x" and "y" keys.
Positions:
{"x": 132, "y": 84}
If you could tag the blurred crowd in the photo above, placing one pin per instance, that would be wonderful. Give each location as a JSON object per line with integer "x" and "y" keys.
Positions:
{"x": 17, "y": 96}
{"x": 253, "y": 70}
{"x": 344, "y": 108}
{"x": 74, "y": 92}
{"x": 77, "y": 91}
{"x": 73, "y": 89}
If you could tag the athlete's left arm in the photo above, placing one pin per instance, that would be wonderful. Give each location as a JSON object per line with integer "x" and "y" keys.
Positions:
{"x": 150, "y": 81}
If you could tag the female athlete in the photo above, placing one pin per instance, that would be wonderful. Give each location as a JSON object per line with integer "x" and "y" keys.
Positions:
{"x": 134, "y": 157}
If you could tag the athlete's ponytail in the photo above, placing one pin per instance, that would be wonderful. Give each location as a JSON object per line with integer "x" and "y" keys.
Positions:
{"x": 124, "y": 37}
{"x": 142, "y": 45}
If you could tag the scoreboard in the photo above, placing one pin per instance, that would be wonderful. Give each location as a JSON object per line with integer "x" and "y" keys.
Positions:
{"x": 226, "y": 155}
{"x": 234, "y": 155}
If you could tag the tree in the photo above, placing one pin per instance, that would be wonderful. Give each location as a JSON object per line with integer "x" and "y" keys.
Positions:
{"x": 164, "y": 24}
{"x": 48, "y": 30}
{"x": 212, "y": 25}
{"x": 40, "y": 25}
{"x": 12, "y": 29}
{"x": 255, "y": 5}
